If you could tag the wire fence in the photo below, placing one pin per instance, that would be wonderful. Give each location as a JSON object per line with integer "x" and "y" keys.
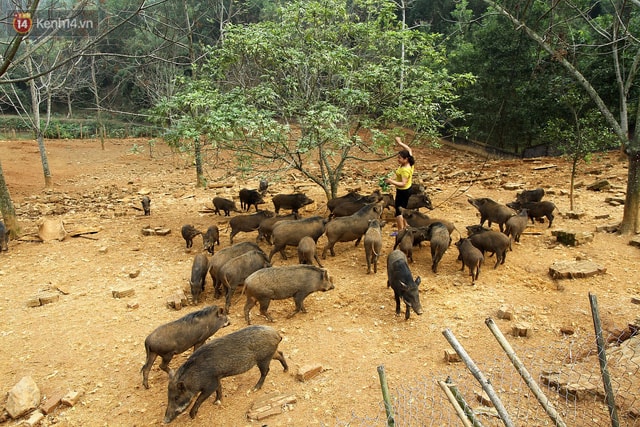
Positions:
{"x": 568, "y": 373}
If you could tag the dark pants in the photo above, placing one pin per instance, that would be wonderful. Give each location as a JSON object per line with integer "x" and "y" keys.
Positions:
{"x": 402, "y": 200}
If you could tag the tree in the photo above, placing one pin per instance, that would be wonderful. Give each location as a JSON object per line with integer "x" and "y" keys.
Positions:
{"x": 568, "y": 35}
{"x": 303, "y": 88}
{"x": 578, "y": 136}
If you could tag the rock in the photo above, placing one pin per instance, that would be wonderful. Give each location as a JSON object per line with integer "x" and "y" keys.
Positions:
{"x": 48, "y": 297}
{"x": 51, "y": 229}
{"x": 450, "y": 356}
{"x": 122, "y": 293}
{"x": 23, "y": 397}
{"x": 599, "y": 185}
{"x": 34, "y": 419}
{"x": 271, "y": 404}
{"x": 306, "y": 372}
{"x": 573, "y": 238}
{"x": 51, "y": 402}
{"x": 575, "y": 269}
{"x": 635, "y": 241}
{"x": 71, "y": 398}
{"x": 505, "y": 312}
{"x": 574, "y": 215}
{"x": 134, "y": 274}
{"x": 567, "y": 330}
{"x": 521, "y": 330}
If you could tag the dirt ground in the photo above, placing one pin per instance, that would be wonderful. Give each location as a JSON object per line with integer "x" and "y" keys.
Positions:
{"x": 93, "y": 343}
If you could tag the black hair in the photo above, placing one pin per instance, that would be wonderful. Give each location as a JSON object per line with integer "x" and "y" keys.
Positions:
{"x": 405, "y": 155}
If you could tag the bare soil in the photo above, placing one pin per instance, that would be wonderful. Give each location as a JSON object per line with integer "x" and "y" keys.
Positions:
{"x": 91, "y": 342}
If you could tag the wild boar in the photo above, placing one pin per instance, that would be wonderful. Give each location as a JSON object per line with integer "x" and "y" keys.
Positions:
{"x": 291, "y": 281}
{"x": 537, "y": 210}
{"x": 266, "y": 226}
{"x": 516, "y": 225}
{"x": 250, "y": 198}
{"x": 293, "y": 201}
{"x": 222, "y": 256}
{"x": 352, "y": 227}
{"x": 490, "y": 241}
{"x": 289, "y": 233}
{"x": 471, "y": 257}
{"x": 247, "y": 223}
{"x": 417, "y": 201}
{"x": 530, "y": 195}
{"x": 225, "y": 205}
{"x": 234, "y": 272}
{"x": 307, "y": 251}
{"x": 373, "y": 244}
{"x": 440, "y": 239}
{"x": 404, "y": 286}
{"x": 416, "y": 218}
{"x": 492, "y": 211}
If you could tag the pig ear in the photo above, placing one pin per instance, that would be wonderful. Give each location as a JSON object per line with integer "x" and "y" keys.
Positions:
{"x": 220, "y": 311}
{"x": 181, "y": 387}
{"x": 417, "y": 280}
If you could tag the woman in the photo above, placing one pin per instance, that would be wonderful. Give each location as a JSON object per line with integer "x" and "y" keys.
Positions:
{"x": 403, "y": 181}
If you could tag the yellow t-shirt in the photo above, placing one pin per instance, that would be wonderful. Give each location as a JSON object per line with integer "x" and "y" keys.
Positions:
{"x": 404, "y": 171}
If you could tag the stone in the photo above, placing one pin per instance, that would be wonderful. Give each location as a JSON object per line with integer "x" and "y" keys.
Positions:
{"x": 599, "y": 185}
{"x": 177, "y": 300}
{"x": 51, "y": 402}
{"x": 34, "y": 302}
{"x": 567, "y": 330}
{"x": 34, "y": 419}
{"x": 48, "y": 297}
{"x": 71, "y": 398}
{"x": 635, "y": 300}
{"x": 450, "y": 356}
{"x": 133, "y": 305}
{"x": 134, "y": 274}
{"x": 271, "y": 404}
{"x": 505, "y": 312}
{"x": 306, "y": 372}
{"x": 483, "y": 398}
{"x": 521, "y": 330}
{"x": 575, "y": 269}
{"x": 122, "y": 293}
{"x": 51, "y": 229}
{"x": 574, "y": 215}
{"x": 23, "y": 397}
{"x": 635, "y": 242}
{"x": 573, "y": 238}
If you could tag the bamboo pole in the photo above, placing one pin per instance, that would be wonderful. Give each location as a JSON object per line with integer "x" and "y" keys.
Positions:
{"x": 522, "y": 370}
{"x": 602, "y": 358}
{"x": 385, "y": 396}
{"x": 486, "y": 385}
{"x": 461, "y": 414}
{"x": 468, "y": 411}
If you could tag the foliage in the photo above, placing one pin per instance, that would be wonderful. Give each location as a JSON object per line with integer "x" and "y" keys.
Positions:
{"x": 303, "y": 87}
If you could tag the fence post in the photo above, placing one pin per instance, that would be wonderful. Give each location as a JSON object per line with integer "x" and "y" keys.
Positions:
{"x": 602, "y": 358}
{"x": 385, "y": 396}
{"x": 522, "y": 370}
{"x": 486, "y": 385}
{"x": 468, "y": 411}
{"x": 456, "y": 405}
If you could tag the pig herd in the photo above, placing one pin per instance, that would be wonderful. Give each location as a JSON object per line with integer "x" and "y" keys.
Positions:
{"x": 353, "y": 217}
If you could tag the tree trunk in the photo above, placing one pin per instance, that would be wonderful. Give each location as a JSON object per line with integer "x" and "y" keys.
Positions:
{"x": 6, "y": 206}
{"x": 197, "y": 150}
{"x": 35, "y": 106}
{"x": 630, "y": 223}
{"x": 94, "y": 87}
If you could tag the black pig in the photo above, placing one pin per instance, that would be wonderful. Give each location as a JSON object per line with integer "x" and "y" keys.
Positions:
{"x": 249, "y": 198}
{"x": 199, "y": 270}
{"x": 247, "y": 223}
{"x": 440, "y": 239}
{"x": 4, "y": 237}
{"x": 403, "y": 284}
{"x": 266, "y": 226}
{"x": 293, "y": 201}
{"x": 492, "y": 211}
{"x": 225, "y": 205}
{"x": 146, "y": 205}
{"x": 176, "y": 337}
{"x": 490, "y": 241}
{"x": 210, "y": 238}
{"x": 188, "y": 233}
{"x": 417, "y": 201}
{"x": 471, "y": 257}
{"x": 226, "y": 356}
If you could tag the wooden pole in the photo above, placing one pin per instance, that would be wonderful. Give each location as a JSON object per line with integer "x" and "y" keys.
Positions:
{"x": 522, "y": 370}
{"x": 486, "y": 385}
{"x": 468, "y": 411}
{"x": 461, "y": 414}
{"x": 602, "y": 357}
{"x": 385, "y": 396}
